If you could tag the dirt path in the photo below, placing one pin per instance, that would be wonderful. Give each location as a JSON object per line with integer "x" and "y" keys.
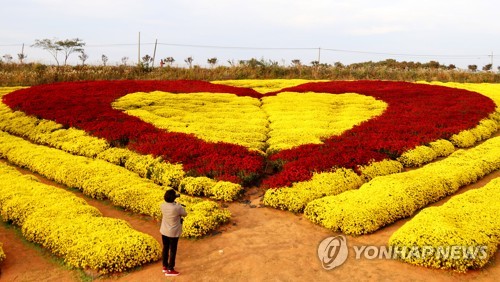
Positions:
{"x": 260, "y": 244}
{"x": 27, "y": 263}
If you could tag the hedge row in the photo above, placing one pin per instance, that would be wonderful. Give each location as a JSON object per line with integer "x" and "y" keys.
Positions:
{"x": 100, "y": 179}
{"x": 388, "y": 198}
{"x": 68, "y": 227}
{"x": 468, "y": 222}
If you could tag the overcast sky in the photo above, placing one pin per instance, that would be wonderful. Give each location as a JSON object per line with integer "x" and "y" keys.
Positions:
{"x": 461, "y": 32}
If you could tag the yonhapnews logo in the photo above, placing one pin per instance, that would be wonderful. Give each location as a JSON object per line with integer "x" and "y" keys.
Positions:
{"x": 333, "y": 252}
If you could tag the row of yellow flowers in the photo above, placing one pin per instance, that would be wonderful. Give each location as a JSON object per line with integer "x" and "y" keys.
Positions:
{"x": 296, "y": 198}
{"x": 463, "y": 233}
{"x": 102, "y": 180}
{"x": 78, "y": 142}
{"x": 388, "y": 198}
{"x": 68, "y": 227}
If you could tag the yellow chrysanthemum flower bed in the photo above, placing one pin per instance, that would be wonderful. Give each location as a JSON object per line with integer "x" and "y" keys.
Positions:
{"x": 463, "y": 233}
{"x": 306, "y": 118}
{"x": 102, "y": 180}
{"x": 68, "y": 227}
{"x": 386, "y": 199}
{"x": 296, "y": 198}
{"x": 211, "y": 117}
{"x": 219, "y": 190}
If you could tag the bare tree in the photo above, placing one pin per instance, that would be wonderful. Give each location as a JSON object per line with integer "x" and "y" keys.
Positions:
{"x": 169, "y": 61}
{"x": 147, "y": 61}
{"x": 212, "y": 61}
{"x": 472, "y": 68}
{"x": 189, "y": 61}
{"x": 296, "y": 63}
{"x": 124, "y": 61}
{"x": 83, "y": 57}
{"x": 7, "y": 58}
{"x": 21, "y": 56}
{"x": 487, "y": 67}
{"x": 104, "y": 59}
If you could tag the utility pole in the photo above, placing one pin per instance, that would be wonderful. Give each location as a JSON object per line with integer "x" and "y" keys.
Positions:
{"x": 139, "y": 50}
{"x": 154, "y": 54}
{"x": 319, "y": 55}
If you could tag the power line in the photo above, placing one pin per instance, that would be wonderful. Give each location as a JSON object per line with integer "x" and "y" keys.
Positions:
{"x": 453, "y": 56}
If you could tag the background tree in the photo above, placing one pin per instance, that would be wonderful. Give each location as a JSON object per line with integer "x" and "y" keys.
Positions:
{"x": 7, "y": 58}
{"x": 169, "y": 60}
{"x": 50, "y": 46}
{"x": 104, "y": 59}
{"x": 21, "y": 56}
{"x": 487, "y": 67}
{"x": 296, "y": 63}
{"x": 189, "y": 61}
{"x": 124, "y": 61}
{"x": 472, "y": 68}
{"x": 70, "y": 46}
{"x": 212, "y": 61}
{"x": 147, "y": 61}
{"x": 54, "y": 46}
{"x": 83, "y": 57}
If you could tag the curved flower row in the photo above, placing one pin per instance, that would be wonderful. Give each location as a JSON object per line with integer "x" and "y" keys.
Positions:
{"x": 468, "y": 222}
{"x": 417, "y": 108}
{"x": 68, "y": 227}
{"x": 102, "y": 180}
{"x": 388, "y": 198}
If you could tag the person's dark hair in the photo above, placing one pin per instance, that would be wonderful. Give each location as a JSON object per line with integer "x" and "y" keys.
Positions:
{"x": 170, "y": 196}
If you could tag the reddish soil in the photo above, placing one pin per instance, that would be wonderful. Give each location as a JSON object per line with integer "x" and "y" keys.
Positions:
{"x": 260, "y": 244}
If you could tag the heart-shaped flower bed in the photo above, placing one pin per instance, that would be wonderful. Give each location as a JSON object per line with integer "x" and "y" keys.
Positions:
{"x": 269, "y": 124}
{"x": 416, "y": 114}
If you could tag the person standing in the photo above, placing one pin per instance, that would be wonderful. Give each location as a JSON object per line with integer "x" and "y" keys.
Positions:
{"x": 171, "y": 229}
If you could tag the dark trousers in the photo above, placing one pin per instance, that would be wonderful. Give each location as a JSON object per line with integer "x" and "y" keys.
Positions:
{"x": 169, "y": 251}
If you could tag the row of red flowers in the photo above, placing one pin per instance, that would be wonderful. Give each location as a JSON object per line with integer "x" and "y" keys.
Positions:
{"x": 417, "y": 114}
